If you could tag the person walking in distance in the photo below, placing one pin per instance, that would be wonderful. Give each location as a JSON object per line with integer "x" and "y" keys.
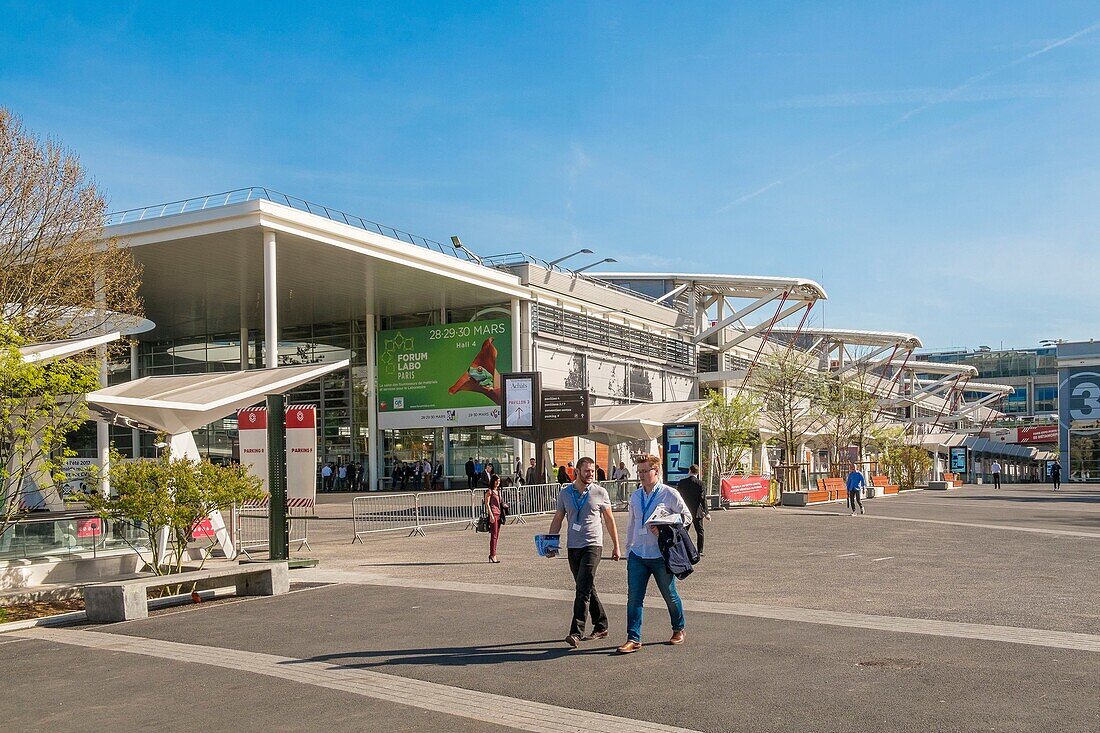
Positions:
{"x": 326, "y": 477}
{"x": 855, "y": 484}
{"x": 584, "y": 504}
{"x": 1056, "y": 474}
{"x": 644, "y": 559}
{"x": 996, "y": 470}
{"x": 471, "y": 476}
{"x": 694, "y": 494}
{"x": 531, "y": 478}
{"x": 493, "y": 509}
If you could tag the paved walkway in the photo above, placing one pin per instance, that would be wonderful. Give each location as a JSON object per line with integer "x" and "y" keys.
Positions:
{"x": 933, "y": 612}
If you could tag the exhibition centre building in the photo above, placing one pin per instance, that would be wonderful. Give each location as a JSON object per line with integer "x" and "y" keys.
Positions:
{"x": 254, "y": 278}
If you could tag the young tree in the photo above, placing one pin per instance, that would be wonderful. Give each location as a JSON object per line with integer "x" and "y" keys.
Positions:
{"x": 848, "y": 412}
{"x": 176, "y": 494}
{"x": 40, "y": 404}
{"x": 792, "y": 390}
{"x": 58, "y": 278}
{"x": 731, "y": 425}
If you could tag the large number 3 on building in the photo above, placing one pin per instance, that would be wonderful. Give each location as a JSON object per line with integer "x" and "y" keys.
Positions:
{"x": 1085, "y": 401}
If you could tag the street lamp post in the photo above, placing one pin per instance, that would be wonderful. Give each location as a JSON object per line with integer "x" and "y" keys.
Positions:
{"x": 585, "y": 251}
{"x": 589, "y": 267}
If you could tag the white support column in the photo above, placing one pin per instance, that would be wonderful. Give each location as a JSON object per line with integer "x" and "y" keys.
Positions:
{"x": 271, "y": 303}
{"x": 374, "y": 436}
{"x": 518, "y": 445}
{"x": 102, "y": 428}
{"x": 135, "y": 434}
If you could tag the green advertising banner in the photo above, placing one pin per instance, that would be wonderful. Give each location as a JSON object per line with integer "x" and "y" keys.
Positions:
{"x": 446, "y": 374}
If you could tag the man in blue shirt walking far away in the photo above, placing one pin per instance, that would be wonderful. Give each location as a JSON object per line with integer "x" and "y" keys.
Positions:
{"x": 855, "y": 483}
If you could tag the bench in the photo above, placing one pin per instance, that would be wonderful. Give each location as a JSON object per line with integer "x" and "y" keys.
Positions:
{"x": 828, "y": 489}
{"x": 883, "y": 482}
{"x": 124, "y": 600}
{"x": 952, "y": 479}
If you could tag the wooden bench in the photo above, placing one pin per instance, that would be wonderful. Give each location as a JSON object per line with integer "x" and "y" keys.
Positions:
{"x": 836, "y": 488}
{"x": 828, "y": 489}
{"x": 883, "y": 482}
{"x": 123, "y": 600}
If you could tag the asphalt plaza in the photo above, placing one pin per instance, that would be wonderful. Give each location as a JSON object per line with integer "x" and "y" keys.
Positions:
{"x": 970, "y": 610}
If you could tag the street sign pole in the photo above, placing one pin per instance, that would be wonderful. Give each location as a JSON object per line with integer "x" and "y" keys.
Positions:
{"x": 276, "y": 476}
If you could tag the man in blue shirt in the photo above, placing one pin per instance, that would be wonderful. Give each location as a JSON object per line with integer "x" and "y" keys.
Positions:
{"x": 855, "y": 484}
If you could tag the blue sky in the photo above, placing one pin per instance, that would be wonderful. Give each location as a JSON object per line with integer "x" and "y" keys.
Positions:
{"x": 936, "y": 166}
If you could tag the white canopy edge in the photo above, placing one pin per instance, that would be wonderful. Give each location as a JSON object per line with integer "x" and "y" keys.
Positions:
{"x": 179, "y": 404}
{"x": 53, "y": 350}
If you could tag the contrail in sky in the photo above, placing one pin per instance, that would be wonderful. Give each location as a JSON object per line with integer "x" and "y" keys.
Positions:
{"x": 913, "y": 113}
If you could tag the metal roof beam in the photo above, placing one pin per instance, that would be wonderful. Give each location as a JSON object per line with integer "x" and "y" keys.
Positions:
{"x": 738, "y": 315}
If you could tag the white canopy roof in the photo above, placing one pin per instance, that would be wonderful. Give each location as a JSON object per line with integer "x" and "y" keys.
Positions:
{"x": 53, "y": 350}
{"x": 179, "y": 404}
{"x": 642, "y": 421}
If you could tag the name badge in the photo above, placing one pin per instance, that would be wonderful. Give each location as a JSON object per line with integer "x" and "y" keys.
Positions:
{"x": 576, "y": 527}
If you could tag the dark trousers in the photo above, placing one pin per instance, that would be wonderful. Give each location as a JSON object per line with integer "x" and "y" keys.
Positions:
{"x": 997, "y": 480}
{"x": 1057, "y": 479}
{"x": 855, "y": 497}
{"x": 583, "y": 562}
{"x": 696, "y": 521}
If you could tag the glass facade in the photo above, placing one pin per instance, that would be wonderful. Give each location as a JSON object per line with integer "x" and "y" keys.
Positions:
{"x": 1032, "y": 373}
{"x": 1084, "y": 457}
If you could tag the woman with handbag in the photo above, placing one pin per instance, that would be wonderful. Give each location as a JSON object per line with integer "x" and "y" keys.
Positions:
{"x": 495, "y": 509}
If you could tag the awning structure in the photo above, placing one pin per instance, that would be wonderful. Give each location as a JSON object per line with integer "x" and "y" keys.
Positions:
{"x": 180, "y": 404}
{"x": 618, "y": 423}
{"x": 54, "y": 350}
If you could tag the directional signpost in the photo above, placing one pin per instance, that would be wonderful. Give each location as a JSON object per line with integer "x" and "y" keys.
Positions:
{"x": 539, "y": 415}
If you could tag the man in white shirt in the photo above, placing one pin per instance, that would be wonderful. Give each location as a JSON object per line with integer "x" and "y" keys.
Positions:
{"x": 644, "y": 557}
{"x": 996, "y": 469}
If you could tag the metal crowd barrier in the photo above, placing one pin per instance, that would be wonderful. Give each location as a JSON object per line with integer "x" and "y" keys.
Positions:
{"x": 384, "y": 513}
{"x": 413, "y": 512}
{"x": 251, "y": 526}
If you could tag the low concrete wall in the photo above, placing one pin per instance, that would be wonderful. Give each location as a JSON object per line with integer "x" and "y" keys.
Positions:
{"x": 16, "y": 574}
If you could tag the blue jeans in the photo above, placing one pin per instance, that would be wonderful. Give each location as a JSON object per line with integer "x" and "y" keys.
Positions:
{"x": 638, "y": 571}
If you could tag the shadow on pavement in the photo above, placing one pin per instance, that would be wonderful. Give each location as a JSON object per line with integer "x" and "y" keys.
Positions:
{"x": 522, "y": 651}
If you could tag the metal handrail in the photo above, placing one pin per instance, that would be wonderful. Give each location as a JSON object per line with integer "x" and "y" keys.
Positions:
{"x": 253, "y": 193}
{"x": 511, "y": 259}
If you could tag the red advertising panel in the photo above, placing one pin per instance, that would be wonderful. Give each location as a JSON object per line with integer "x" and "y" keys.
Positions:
{"x": 203, "y": 528}
{"x": 1037, "y": 434}
{"x": 89, "y": 527}
{"x": 744, "y": 489}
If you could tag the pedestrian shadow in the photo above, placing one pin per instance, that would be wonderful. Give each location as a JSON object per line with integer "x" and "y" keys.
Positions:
{"x": 418, "y": 564}
{"x": 460, "y": 656}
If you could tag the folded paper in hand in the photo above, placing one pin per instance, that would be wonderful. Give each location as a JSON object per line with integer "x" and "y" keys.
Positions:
{"x": 661, "y": 515}
{"x": 546, "y": 542}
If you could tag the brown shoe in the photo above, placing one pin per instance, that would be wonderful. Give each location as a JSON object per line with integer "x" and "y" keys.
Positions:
{"x": 595, "y": 635}
{"x": 677, "y": 637}
{"x": 573, "y": 640}
{"x": 630, "y": 647}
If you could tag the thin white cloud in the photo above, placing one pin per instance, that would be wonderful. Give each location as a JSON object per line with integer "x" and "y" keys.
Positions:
{"x": 925, "y": 95}
{"x": 945, "y": 96}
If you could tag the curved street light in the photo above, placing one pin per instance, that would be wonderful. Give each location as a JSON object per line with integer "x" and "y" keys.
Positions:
{"x": 585, "y": 251}
{"x": 588, "y": 267}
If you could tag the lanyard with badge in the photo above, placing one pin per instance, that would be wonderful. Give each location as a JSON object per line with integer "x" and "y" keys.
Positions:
{"x": 579, "y": 504}
{"x": 647, "y": 504}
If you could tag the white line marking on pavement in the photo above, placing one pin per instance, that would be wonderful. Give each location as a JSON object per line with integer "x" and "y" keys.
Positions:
{"x": 1008, "y": 527}
{"x": 511, "y": 712}
{"x": 880, "y": 559}
{"x": 849, "y": 554}
{"x": 896, "y": 624}
{"x": 1070, "y": 506}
